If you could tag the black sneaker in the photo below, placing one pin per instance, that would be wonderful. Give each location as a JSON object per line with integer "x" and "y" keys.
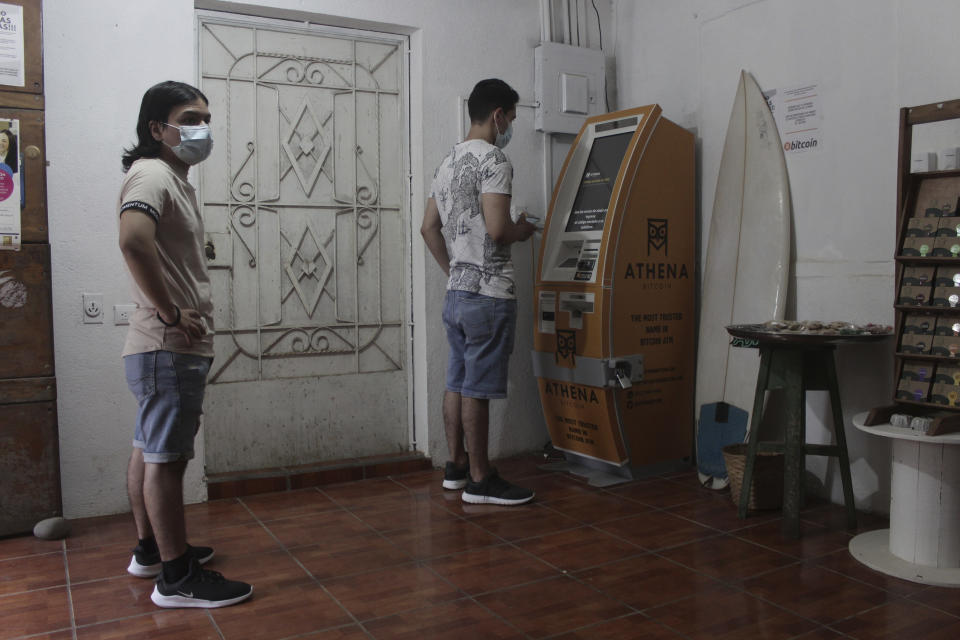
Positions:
{"x": 495, "y": 490}
{"x": 148, "y": 565}
{"x": 200, "y": 588}
{"x": 454, "y": 476}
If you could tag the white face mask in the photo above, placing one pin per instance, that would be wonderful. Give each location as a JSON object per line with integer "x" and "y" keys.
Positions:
{"x": 502, "y": 138}
{"x": 195, "y": 143}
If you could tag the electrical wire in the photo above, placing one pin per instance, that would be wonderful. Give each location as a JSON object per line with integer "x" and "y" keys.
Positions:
{"x": 606, "y": 98}
{"x": 599, "y": 28}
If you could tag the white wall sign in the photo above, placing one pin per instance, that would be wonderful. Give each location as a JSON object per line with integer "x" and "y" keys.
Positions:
{"x": 11, "y": 45}
{"x": 798, "y": 115}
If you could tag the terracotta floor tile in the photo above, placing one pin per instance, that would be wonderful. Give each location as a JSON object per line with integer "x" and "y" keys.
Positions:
{"x": 728, "y": 614}
{"x": 516, "y": 523}
{"x": 451, "y": 621}
{"x": 374, "y": 553}
{"x": 390, "y": 591}
{"x": 32, "y": 572}
{"x": 347, "y": 557}
{"x": 552, "y": 606}
{"x": 834, "y": 517}
{"x": 34, "y": 612}
{"x": 352, "y": 494}
{"x": 349, "y": 632}
{"x": 521, "y": 467}
{"x": 272, "y": 506}
{"x": 170, "y": 625}
{"x": 337, "y": 529}
{"x": 635, "y": 627}
{"x": 646, "y": 581}
{"x": 102, "y": 531}
{"x": 662, "y": 493}
{"x": 206, "y": 516}
{"x": 726, "y": 558}
{"x": 105, "y": 600}
{"x": 821, "y": 634}
{"x": 27, "y": 546}
{"x": 901, "y": 619}
{"x": 816, "y": 593}
{"x": 415, "y": 512}
{"x": 943, "y": 598}
{"x": 97, "y": 563}
{"x": 241, "y": 539}
{"x": 814, "y": 541}
{"x": 274, "y": 612}
{"x": 720, "y": 513}
{"x": 596, "y": 508}
{"x": 576, "y": 549}
{"x": 842, "y": 562}
{"x": 687, "y": 476}
{"x": 657, "y": 530}
{"x": 422, "y": 482}
{"x": 555, "y": 486}
{"x": 56, "y": 635}
{"x": 441, "y": 538}
{"x": 491, "y": 568}
{"x": 272, "y": 569}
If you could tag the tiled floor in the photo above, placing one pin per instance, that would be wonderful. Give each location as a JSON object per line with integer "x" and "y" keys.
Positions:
{"x": 400, "y": 558}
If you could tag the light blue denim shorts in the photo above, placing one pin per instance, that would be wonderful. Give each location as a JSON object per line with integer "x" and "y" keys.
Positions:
{"x": 480, "y": 330}
{"x": 169, "y": 388}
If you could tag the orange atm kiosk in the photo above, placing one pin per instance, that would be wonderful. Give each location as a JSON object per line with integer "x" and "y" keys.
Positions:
{"x": 614, "y": 332}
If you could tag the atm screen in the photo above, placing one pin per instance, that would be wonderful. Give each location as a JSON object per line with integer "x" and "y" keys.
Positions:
{"x": 596, "y": 186}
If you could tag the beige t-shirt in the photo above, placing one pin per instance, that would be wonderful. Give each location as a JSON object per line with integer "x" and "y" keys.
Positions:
{"x": 153, "y": 188}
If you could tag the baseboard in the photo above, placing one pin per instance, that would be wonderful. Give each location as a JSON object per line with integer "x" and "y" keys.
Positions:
{"x": 234, "y": 484}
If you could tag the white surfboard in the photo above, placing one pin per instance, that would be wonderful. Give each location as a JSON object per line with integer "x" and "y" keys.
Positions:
{"x": 748, "y": 252}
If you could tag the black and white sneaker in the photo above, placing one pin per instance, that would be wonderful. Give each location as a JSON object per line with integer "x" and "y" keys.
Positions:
{"x": 148, "y": 565}
{"x": 455, "y": 476}
{"x": 495, "y": 490}
{"x": 200, "y": 588}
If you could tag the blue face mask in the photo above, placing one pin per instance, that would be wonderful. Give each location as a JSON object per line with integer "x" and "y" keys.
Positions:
{"x": 502, "y": 138}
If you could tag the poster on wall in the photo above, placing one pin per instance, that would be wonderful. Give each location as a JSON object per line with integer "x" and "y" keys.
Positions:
{"x": 9, "y": 185}
{"x": 797, "y": 113}
{"x": 11, "y": 45}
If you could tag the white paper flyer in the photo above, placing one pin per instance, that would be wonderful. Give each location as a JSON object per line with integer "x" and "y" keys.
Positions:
{"x": 797, "y": 113}
{"x": 11, "y": 45}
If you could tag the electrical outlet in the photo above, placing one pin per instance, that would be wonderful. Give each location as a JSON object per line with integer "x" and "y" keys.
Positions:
{"x": 93, "y": 308}
{"x": 122, "y": 313}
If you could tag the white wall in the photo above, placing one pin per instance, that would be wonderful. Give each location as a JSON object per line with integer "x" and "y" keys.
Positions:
{"x": 869, "y": 58}
{"x": 99, "y": 62}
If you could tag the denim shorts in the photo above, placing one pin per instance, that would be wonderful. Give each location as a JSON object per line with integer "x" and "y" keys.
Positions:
{"x": 480, "y": 330}
{"x": 169, "y": 388}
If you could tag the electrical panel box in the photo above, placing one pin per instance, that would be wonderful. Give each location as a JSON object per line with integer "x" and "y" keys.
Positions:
{"x": 569, "y": 86}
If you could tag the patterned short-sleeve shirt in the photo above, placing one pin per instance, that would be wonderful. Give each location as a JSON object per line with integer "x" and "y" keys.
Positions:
{"x": 477, "y": 263}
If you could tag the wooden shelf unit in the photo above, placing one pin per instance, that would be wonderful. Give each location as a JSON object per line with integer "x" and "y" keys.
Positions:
{"x": 916, "y": 193}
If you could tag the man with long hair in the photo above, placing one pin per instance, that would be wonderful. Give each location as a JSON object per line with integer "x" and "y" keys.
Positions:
{"x": 169, "y": 346}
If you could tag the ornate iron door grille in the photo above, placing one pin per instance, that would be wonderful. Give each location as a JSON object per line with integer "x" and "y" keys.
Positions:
{"x": 303, "y": 200}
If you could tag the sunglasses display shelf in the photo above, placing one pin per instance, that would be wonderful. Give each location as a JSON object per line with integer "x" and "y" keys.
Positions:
{"x": 927, "y": 301}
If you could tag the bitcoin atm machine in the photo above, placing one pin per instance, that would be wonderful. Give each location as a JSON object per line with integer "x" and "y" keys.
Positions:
{"x": 614, "y": 329}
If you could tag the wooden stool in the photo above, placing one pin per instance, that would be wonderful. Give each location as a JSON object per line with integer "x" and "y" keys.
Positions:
{"x": 796, "y": 367}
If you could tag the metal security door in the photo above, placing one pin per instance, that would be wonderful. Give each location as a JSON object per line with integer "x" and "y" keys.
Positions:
{"x": 304, "y": 202}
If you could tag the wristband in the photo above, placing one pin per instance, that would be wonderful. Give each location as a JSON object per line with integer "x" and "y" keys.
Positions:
{"x": 170, "y": 324}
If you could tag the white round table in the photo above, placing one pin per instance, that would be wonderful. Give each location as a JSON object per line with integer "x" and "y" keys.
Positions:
{"x": 923, "y": 541}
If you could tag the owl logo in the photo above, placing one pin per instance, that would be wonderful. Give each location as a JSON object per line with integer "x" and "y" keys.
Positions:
{"x": 656, "y": 235}
{"x": 566, "y": 348}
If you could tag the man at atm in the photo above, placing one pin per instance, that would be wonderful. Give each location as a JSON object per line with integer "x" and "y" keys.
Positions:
{"x": 468, "y": 228}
